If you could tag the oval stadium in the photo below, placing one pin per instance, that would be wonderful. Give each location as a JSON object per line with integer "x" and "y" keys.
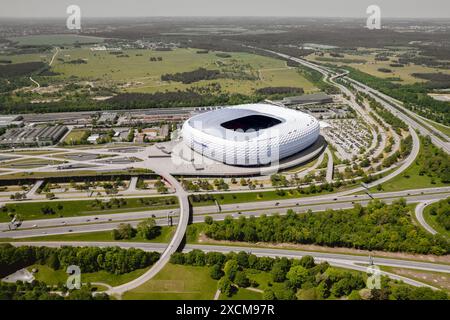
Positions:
{"x": 251, "y": 134}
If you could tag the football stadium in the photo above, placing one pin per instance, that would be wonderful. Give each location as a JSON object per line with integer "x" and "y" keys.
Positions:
{"x": 250, "y": 135}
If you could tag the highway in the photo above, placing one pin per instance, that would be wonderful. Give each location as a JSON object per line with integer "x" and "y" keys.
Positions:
{"x": 315, "y": 204}
{"x": 419, "y": 215}
{"x": 339, "y": 200}
{"x": 356, "y": 262}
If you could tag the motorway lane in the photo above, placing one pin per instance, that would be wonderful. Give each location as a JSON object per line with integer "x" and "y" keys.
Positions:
{"x": 251, "y": 209}
{"x": 320, "y": 200}
{"x": 406, "y": 115}
{"x": 419, "y": 215}
{"x": 92, "y": 219}
{"x": 175, "y": 242}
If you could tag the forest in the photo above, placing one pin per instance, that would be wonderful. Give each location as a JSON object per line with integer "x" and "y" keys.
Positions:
{"x": 414, "y": 96}
{"x": 441, "y": 210}
{"x": 291, "y": 279}
{"x": 376, "y": 227}
{"x": 90, "y": 259}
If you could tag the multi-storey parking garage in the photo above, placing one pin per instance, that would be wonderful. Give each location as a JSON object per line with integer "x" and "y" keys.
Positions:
{"x": 250, "y": 135}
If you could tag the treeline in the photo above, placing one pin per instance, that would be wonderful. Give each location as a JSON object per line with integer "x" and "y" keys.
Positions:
{"x": 396, "y": 123}
{"x": 434, "y": 162}
{"x": 376, "y": 227}
{"x": 37, "y": 290}
{"x": 21, "y": 69}
{"x": 441, "y": 210}
{"x": 192, "y": 76}
{"x": 269, "y": 91}
{"x": 316, "y": 78}
{"x": 292, "y": 279}
{"x": 414, "y": 96}
{"x": 90, "y": 259}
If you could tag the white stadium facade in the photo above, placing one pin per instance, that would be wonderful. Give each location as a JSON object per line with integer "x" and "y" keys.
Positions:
{"x": 251, "y": 134}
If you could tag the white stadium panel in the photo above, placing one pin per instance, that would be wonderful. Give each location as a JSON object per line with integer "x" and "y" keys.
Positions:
{"x": 250, "y": 135}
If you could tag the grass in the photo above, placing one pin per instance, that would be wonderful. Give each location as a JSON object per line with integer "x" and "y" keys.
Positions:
{"x": 371, "y": 66}
{"x": 436, "y": 279}
{"x": 444, "y": 129}
{"x": 99, "y": 236}
{"x": 54, "y": 277}
{"x": 141, "y": 75}
{"x": 75, "y": 136}
{"x": 176, "y": 282}
{"x": 410, "y": 178}
{"x": 431, "y": 220}
{"x": 230, "y": 198}
{"x": 32, "y": 210}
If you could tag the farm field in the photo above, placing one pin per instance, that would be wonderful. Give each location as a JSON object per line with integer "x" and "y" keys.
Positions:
{"x": 369, "y": 65}
{"x": 132, "y": 71}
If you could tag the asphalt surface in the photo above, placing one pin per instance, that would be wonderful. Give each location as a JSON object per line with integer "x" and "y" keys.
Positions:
{"x": 357, "y": 262}
{"x": 419, "y": 215}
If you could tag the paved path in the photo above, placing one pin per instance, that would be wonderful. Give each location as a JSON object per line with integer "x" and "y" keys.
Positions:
{"x": 174, "y": 244}
{"x": 32, "y": 193}
{"x": 419, "y": 215}
{"x": 330, "y": 167}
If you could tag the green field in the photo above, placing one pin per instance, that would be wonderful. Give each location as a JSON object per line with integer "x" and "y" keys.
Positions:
{"x": 431, "y": 220}
{"x": 74, "y": 136}
{"x": 369, "y": 65}
{"x": 101, "y": 236}
{"x": 55, "y": 40}
{"x": 54, "y": 277}
{"x": 135, "y": 73}
{"x": 33, "y": 210}
{"x": 410, "y": 178}
{"x": 176, "y": 282}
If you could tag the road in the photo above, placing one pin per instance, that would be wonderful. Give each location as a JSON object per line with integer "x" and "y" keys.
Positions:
{"x": 419, "y": 215}
{"x": 331, "y": 79}
{"x": 315, "y": 204}
{"x": 175, "y": 242}
{"x": 356, "y": 262}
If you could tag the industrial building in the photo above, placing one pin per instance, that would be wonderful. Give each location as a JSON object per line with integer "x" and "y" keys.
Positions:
{"x": 33, "y": 136}
{"x": 315, "y": 98}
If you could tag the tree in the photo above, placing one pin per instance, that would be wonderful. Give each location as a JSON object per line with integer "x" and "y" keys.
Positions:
{"x": 297, "y": 275}
{"x": 123, "y": 231}
{"x": 268, "y": 294}
{"x": 147, "y": 229}
{"x": 241, "y": 279}
{"x": 225, "y": 286}
{"x": 307, "y": 262}
{"x": 209, "y": 220}
{"x": 231, "y": 267}
{"x": 216, "y": 272}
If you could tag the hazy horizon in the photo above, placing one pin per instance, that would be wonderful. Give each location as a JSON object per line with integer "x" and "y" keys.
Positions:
{"x": 400, "y": 9}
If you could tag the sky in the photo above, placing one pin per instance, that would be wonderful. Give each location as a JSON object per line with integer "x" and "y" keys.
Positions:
{"x": 290, "y": 8}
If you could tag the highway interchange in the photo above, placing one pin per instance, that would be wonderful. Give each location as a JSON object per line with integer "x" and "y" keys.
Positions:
{"x": 340, "y": 200}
